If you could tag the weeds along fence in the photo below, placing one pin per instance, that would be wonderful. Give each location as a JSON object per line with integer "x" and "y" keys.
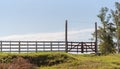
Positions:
{"x": 46, "y": 46}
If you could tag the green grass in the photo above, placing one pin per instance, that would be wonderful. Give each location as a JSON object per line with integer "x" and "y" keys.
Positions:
{"x": 60, "y": 60}
{"x": 89, "y": 62}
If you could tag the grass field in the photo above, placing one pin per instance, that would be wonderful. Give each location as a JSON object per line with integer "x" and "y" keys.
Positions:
{"x": 59, "y": 60}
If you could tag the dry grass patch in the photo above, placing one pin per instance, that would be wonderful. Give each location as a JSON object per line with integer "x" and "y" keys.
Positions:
{"x": 18, "y": 63}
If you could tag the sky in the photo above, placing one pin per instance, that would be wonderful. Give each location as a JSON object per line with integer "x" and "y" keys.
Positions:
{"x": 45, "y": 19}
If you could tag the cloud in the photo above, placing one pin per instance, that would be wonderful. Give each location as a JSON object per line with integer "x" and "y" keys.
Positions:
{"x": 81, "y": 35}
{"x": 72, "y": 36}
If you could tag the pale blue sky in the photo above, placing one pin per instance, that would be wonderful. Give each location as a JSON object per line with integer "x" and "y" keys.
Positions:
{"x": 45, "y": 16}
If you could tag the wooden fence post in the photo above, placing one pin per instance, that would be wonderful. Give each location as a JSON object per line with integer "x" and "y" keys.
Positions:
{"x": 82, "y": 48}
{"x": 36, "y": 46}
{"x": 96, "y": 48}
{"x": 66, "y": 39}
{"x": 43, "y": 46}
{"x": 77, "y": 49}
{"x": 51, "y": 46}
{"x": 19, "y": 46}
{"x": 58, "y": 46}
{"x": 1, "y": 45}
{"x": 10, "y": 46}
{"x": 27, "y": 47}
{"x": 71, "y": 45}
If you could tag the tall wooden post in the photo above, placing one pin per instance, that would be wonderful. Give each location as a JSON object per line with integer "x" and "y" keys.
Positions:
{"x": 96, "y": 48}
{"x": 66, "y": 39}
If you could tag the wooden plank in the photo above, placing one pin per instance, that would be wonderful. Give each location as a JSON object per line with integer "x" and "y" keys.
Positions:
{"x": 10, "y": 48}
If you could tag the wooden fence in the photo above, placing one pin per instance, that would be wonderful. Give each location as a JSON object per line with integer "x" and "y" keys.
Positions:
{"x": 32, "y": 46}
{"x": 46, "y": 46}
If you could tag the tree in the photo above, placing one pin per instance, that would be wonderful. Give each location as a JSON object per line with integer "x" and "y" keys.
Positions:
{"x": 116, "y": 21}
{"x": 105, "y": 36}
